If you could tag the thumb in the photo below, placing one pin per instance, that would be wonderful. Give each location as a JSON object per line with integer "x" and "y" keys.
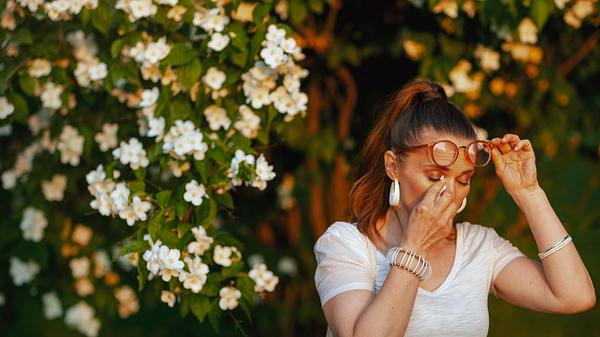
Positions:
{"x": 497, "y": 159}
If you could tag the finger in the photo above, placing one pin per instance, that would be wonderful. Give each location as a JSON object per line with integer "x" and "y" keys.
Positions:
{"x": 497, "y": 159}
{"x": 524, "y": 144}
{"x": 432, "y": 193}
{"x": 449, "y": 212}
{"x": 443, "y": 201}
{"x": 503, "y": 147}
{"x": 510, "y": 138}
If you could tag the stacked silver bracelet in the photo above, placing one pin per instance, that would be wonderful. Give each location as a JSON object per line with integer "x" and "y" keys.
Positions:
{"x": 422, "y": 269}
{"x": 555, "y": 247}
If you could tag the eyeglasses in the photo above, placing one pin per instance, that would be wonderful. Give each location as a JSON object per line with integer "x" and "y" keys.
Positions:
{"x": 445, "y": 152}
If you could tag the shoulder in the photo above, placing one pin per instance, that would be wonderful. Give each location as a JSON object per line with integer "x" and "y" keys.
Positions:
{"x": 476, "y": 234}
{"x": 341, "y": 237}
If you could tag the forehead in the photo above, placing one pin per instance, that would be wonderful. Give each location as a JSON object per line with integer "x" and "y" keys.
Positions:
{"x": 429, "y": 135}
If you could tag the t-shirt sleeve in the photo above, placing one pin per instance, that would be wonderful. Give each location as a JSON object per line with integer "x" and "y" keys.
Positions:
{"x": 503, "y": 252}
{"x": 343, "y": 262}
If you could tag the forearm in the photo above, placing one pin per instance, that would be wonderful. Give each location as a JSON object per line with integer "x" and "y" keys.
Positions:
{"x": 565, "y": 272}
{"x": 389, "y": 312}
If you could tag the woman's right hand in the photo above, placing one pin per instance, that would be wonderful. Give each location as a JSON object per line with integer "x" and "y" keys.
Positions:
{"x": 430, "y": 221}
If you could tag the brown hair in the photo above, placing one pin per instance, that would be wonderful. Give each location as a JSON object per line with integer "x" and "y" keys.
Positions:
{"x": 418, "y": 105}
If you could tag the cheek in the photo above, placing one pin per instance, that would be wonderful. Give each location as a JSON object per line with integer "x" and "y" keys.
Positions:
{"x": 414, "y": 190}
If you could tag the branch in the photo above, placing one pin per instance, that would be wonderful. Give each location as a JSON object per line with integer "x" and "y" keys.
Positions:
{"x": 580, "y": 54}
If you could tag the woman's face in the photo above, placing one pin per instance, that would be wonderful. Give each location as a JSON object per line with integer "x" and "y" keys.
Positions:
{"x": 416, "y": 172}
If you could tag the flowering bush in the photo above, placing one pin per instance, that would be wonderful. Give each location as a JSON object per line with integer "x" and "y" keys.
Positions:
{"x": 159, "y": 108}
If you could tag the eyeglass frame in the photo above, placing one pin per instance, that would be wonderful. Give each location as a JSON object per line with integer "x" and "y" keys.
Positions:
{"x": 429, "y": 146}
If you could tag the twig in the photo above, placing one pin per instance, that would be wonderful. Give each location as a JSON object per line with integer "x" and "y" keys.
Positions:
{"x": 580, "y": 54}
{"x": 237, "y": 324}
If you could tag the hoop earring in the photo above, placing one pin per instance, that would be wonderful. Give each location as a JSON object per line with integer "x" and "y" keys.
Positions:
{"x": 462, "y": 206}
{"x": 394, "y": 193}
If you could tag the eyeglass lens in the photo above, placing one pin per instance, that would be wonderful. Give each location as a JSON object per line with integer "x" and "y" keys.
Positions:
{"x": 446, "y": 152}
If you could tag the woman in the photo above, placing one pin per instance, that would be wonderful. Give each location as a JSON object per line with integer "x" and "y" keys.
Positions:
{"x": 404, "y": 268}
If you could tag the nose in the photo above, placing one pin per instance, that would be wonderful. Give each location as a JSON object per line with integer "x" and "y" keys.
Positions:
{"x": 448, "y": 186}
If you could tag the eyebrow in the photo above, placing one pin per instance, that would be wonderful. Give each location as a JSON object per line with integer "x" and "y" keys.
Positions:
{"x": 445, "y": 169}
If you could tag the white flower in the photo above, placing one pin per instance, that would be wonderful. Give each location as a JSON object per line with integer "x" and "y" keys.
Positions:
{"x": 153, "y": 262}
{"x": 140, "y": 9}
{"x": 149, "y": 97}
{"x": 202, "y": 241}
{"x": 81, "y": 235}
{"x": 131, "y": 153}
{"x": 222, "y": 255}
{"x": 274, "y": 34}
{"x": 22, "y": 272}
{"x": 288, "y": 265}
{"x": 170, "y": 258}
{"x": 461, "y": 81}
{"x": 70, "y": 145}
{"x": 264, "y": 173}
{"x": 194, "y": 193}
{"x": 449, "y": 7}
{"x": 156, "y": 127}
{"x": 51, "y": 95}
{"x": 489, "y": 58}
{"x": 107, "y": 138}
{"x": 52, "y": 305}
{"x": 6, "y": 108}
{"x": 263, "y": 278}
{"x": 39, "y": 68}
{"x": 217, "y": 117}
{"x": 33, "y": 224}
{"x": 211, "y": 20}
{"x": 167, "y": 297}
{"x": 80, "y": 267}
{"x": 196, "y": 277}
{"x": 249, "y": 124}
{"x": 273, "y": 55}
{"x": 214, "y": 78}
{"x": 183, "y": 138}
{"x": 156, "y": 51}
{"x": 81, "y": 317}
{"x": 54, "y": 189}
{"x": 218, "y": 41}
{"x": 98, "y": 71}
{"x": 229, "y": 298}
{"x": 127, "y": 300}
{"x": 528, "y": 31}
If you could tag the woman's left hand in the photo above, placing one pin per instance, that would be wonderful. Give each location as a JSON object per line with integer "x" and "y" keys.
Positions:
{"x": 514, "y": 161}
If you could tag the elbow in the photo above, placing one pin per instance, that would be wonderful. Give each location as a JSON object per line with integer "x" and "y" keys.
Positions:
{"x": 581, "y": 305}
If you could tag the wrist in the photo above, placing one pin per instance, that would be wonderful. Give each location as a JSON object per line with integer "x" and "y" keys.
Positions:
{"x": 526, "y": 195}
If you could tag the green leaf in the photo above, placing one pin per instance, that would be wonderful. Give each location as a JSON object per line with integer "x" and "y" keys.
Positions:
{"x": 297, "y": 11}
{"x": 136, "y": 186}
{"x": 183, "y": 228}
{"x": 22, "y": 36}
{"x": 21, "y": 110}
{"x": 184, "y": 305}
{"x": 316, "y": 6}
{"x": 232, "y": 270}
{"x": 540, "y": 11}
{"x": 168, "y": 237}
{"x": 163, "y": 197}
{"x": 115, "y": 47}
{"x": 154, "y": 225}
{"x": 190, "y": 73}
{"x": 214, "y": 315}
{"x": 27, "y": 84}
{"x": 180, "y": 109}
{"x": 134, "y": 246}
{"x": 246, "y": 286}
{"x": 102, "y": 17}
{"x": 224, "y": 199}
{"x": 142, "y": 274}
{"x": 200, "y": 306}
{"x": 212, "y": 285}
{"x": 260, "y": 11}
{"x": 180, "y": 54}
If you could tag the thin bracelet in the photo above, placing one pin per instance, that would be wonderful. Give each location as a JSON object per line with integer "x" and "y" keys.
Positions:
{"x": 555, "y": 247}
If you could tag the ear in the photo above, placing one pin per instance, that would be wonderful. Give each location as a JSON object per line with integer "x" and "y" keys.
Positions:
{"x": 392, "y": 165}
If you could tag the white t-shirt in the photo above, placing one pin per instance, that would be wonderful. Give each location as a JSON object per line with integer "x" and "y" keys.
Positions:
{"x": 348, "y": 260}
